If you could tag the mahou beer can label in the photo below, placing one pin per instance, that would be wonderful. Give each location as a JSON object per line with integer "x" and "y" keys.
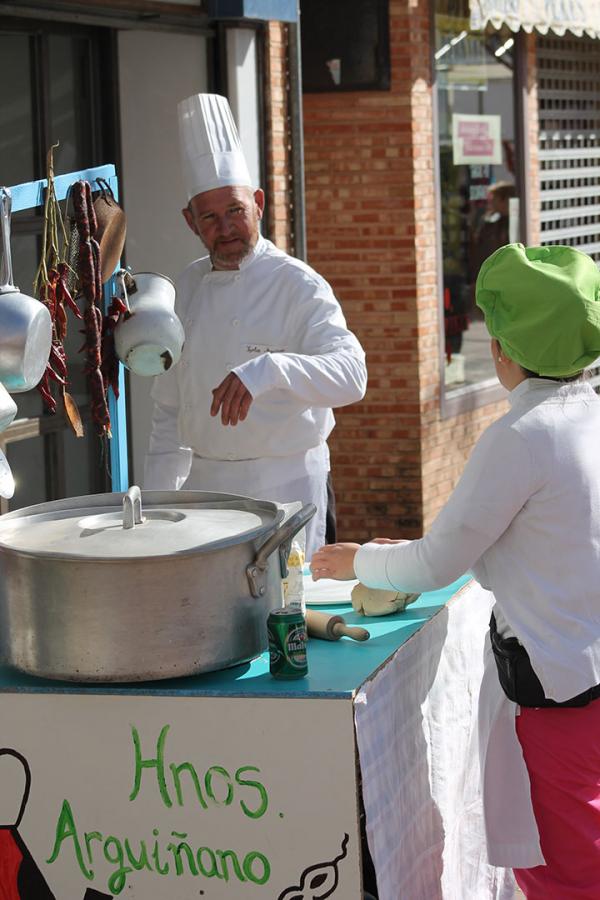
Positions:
{"x": 287, "y": 643}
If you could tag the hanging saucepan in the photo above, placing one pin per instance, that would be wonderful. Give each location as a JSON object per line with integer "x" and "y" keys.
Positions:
{"x": 8, "y": 407}
{"x": 7, "y": 482}
{"x": 8, "y": 410}
{"x": 25, "y": 324}
{"x": 96, "y": 589}
{"x": 149, "y": 338}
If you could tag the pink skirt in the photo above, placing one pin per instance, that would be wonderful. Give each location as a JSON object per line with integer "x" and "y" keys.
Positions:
{"x": 562, "y": 752}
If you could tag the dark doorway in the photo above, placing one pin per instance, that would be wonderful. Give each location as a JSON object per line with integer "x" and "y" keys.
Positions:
{"x": 57, "y": 84}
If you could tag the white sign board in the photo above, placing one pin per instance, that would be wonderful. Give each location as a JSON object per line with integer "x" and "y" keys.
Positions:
{"x": 150, "y": 798}
{"x": 476, "y": 140}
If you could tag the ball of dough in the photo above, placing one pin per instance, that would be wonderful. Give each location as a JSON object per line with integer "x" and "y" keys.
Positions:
{"x": 376, "y": 602}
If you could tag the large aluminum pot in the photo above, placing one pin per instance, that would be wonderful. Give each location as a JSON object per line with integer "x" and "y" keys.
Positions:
{"x": 98, "y": 589}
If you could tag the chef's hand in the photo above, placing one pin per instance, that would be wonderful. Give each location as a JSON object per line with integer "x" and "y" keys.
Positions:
{"x": 233, "y": 398}
{"x": 334, "y": 561}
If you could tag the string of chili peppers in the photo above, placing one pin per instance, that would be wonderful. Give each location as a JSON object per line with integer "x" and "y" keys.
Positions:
{"x": 51, "y": 287}
{"x": 110, "y": 360}
{"x": 90, "y": 282}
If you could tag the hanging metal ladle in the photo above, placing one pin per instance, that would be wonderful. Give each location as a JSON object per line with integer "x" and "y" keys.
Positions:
{"x": 25, "y": 323}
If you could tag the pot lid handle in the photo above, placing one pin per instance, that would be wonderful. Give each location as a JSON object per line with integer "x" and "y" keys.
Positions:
{"x": 132, "y": 507}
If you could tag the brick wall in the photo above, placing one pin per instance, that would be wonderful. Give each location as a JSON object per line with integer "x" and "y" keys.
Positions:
{"x": 361, "y": 236}
{"x": 371, "y": 209}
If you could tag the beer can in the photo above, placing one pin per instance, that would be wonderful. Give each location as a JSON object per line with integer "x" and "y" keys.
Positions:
{"x": 287, "y": 643}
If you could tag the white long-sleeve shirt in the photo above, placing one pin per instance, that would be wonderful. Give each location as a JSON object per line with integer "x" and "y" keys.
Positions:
{"x": 525, "y": 519}
{"x": 275, "y": 323}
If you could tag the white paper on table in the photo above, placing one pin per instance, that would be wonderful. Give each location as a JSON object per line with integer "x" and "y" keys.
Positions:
{"x": 327, "y": 591}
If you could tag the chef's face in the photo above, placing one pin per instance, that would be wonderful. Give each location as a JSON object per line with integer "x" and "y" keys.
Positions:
{"x": 226, "y": 221}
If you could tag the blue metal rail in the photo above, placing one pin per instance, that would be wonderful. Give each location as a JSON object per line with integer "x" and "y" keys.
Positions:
{"x": 279, "y": 10}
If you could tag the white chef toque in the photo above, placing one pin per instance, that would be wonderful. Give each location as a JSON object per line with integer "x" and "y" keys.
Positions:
{"x": 211, "y": 152}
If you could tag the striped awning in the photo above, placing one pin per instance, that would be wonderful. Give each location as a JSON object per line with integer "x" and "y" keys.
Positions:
{"x": 578, "y": 16}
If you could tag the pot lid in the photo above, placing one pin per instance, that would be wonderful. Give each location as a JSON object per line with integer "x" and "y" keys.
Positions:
{"x": 115, "y": 526}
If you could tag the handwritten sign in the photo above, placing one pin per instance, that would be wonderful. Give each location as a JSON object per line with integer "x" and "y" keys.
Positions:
{"x": 476, "y": 139}
{"x": 154, "y": 797}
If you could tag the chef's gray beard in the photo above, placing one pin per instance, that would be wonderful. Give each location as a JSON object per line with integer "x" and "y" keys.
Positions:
{"x": 230, "y": 261}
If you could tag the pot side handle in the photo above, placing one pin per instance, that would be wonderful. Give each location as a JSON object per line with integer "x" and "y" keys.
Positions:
{"x": 279, "y": 540}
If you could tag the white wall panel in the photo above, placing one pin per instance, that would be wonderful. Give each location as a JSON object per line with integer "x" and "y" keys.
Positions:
{"x": 243, "y": 94}
{"x": 156, "y": 70}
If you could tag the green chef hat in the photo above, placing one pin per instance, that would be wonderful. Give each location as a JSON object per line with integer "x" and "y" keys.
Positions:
{"x": 543, "y": 305}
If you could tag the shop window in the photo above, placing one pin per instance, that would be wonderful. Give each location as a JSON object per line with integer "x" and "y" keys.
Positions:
{"x": 345, "y": 45}
{"x": 478, "y": 156}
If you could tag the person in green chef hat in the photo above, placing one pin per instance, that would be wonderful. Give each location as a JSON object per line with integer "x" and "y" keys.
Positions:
{"x": 525, "y": 520}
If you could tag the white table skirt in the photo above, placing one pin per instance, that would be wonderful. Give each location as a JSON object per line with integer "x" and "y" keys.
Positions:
{"x": 416, "y": 732}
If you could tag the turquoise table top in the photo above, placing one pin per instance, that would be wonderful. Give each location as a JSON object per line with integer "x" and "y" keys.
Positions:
{"x": 336, "y": 668}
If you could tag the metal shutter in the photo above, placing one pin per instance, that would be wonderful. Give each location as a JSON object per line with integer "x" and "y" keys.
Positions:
{"x": 569, "y": 121}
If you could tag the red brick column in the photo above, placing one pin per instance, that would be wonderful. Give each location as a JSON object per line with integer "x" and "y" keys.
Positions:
{"x": 362, "y": 232}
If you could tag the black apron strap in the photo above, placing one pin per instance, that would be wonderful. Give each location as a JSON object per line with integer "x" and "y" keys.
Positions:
{"x": 517, "y": 678}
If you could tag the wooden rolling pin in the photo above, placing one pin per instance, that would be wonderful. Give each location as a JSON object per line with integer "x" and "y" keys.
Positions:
{"x": 331, "y": 628}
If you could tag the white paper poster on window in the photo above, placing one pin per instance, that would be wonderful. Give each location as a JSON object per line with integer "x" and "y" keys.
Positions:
{"x": 476, "y": 140}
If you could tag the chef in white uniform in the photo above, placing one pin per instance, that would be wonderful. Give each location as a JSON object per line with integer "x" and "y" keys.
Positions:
{"x": 525, "y": 519}
{"x": 267, "y": 353}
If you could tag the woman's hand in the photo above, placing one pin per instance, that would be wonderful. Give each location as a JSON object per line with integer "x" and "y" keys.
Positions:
{"x": 388, "y": 541}
{"x": 334, "y": 561}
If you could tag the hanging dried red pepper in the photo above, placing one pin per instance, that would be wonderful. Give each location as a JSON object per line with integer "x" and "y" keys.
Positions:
{"x": 90, "y": 282}
{"x": 110, "y": 360}
{"x": 51, "y": 287}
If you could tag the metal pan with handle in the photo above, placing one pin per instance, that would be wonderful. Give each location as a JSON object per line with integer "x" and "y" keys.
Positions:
{"x": 25, "y": 323}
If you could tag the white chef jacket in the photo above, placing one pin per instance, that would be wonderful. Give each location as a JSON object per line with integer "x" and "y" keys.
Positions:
{"x": 525, "y": 518}
{"x": 277, "y": 324}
